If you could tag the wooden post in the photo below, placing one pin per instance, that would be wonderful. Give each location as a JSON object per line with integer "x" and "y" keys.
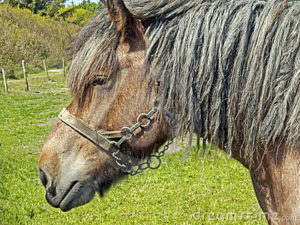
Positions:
{"x": 46, "y": 70}
{"x": 63, "y": 64}
{"x": 5, "y": 81}
{"x": 25, "y": 75}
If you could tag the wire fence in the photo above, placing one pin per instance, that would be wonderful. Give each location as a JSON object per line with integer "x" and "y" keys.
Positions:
{"x": 25, "y": 73}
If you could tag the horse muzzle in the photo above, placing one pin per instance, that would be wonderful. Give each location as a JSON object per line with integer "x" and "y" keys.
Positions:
{"x": 67, "y": 194}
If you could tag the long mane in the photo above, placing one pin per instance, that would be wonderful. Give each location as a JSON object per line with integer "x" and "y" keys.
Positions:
{"x": 229, "y": 70}
{"x": 94, "y": 52}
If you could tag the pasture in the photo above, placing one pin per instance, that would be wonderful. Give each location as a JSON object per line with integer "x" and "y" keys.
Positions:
{"x": 218, "y": 191}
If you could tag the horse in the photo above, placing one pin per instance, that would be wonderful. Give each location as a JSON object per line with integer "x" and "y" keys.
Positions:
{"x": 144, "y": 72}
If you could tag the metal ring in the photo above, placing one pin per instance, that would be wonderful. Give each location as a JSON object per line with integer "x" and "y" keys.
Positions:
{"x": 143, "y": 166}
{"x": 114, "y": 154}
{"x": 159, "y": 162}
{"x": 125, "y": 131}
{"x": 114, "y": 143}
{"x": 141, "y": 118}
{"x": 121, "y": 165}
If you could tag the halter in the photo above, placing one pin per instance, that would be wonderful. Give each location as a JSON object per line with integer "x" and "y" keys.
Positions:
{"x": 103, "y": 140}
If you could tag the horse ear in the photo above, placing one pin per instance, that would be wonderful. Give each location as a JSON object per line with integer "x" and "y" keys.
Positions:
{"x": 121, "y": 17}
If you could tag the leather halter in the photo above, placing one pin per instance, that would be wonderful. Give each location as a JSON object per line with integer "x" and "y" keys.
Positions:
{"x": 102, "y": 139}
{"x": 98, "y": 138}
{"x": 111, "y": 147}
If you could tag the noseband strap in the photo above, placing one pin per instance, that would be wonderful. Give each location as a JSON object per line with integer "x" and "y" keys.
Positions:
{"x": 99, "y": 139}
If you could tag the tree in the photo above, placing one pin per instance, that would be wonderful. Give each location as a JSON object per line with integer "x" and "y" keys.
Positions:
{"x": 43, "y": 7}
{"x": 75, "y": 15}
{"x": 80, "y": 14}
{"x": 90, "y": 6}
{"x": 53, "y": 9}
{"x": 33, "y": 5}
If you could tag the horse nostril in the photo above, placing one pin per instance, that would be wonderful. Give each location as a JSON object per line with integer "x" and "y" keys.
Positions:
{"x": 47, "y": 182}
{"x": 43, "y": 177}
{"x": 52, "y": 190}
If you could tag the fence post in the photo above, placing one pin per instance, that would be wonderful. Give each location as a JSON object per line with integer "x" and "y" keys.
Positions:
{"x": 63, "y": 64}
{"x": 25, "y": 75}
{"x": 5, "y": 81}
{"x": 46, "y": 70}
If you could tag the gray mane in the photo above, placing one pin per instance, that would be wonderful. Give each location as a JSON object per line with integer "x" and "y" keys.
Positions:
{"x": 94, "y": 52}
{"x": 229, "y": 70}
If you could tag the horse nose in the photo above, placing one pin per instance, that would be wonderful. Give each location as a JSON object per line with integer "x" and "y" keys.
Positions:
{"x": 43, "y": 177}
{"x": 47, "y": 181}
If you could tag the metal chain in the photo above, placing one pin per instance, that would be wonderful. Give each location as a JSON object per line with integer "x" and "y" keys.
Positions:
{"x": 127, "y": 134}
{"x": 147, "y": 164}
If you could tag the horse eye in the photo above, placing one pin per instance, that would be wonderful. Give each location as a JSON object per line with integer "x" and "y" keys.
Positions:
{"x": 99, "y": 81}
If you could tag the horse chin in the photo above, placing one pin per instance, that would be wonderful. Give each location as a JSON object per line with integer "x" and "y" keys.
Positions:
{"x": 79, "y": 194}
{"x": 103, "y": 187}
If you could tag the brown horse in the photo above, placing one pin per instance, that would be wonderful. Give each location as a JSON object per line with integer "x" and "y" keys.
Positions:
{"x": 228, "y": 71}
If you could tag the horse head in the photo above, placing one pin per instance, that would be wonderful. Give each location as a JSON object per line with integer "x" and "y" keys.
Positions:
{"x": 110, "y": 94}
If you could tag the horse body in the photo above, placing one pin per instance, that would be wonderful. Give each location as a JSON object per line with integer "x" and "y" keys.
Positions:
{"x": 228, "y": 70}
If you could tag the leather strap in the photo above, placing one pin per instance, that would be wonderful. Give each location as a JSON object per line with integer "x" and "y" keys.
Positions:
{"x": 99, "y": 139}
{"x": 111, "y": 134}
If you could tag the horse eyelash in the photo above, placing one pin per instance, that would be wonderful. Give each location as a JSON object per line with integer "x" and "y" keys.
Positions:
{"x": 100, "y": 80}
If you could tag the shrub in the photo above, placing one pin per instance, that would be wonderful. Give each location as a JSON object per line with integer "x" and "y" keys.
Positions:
{"x": 31, "y": 37}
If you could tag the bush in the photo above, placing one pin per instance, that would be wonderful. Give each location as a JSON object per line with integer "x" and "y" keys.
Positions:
{"x": 31, "y": 37}
{"x": 75, "y": 15}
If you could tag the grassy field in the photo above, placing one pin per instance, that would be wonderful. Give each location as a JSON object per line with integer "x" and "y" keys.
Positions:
{"x": 218, "y": 191}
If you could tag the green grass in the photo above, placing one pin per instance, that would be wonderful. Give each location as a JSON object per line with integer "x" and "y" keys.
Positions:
{"x": 194, "y": 193}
